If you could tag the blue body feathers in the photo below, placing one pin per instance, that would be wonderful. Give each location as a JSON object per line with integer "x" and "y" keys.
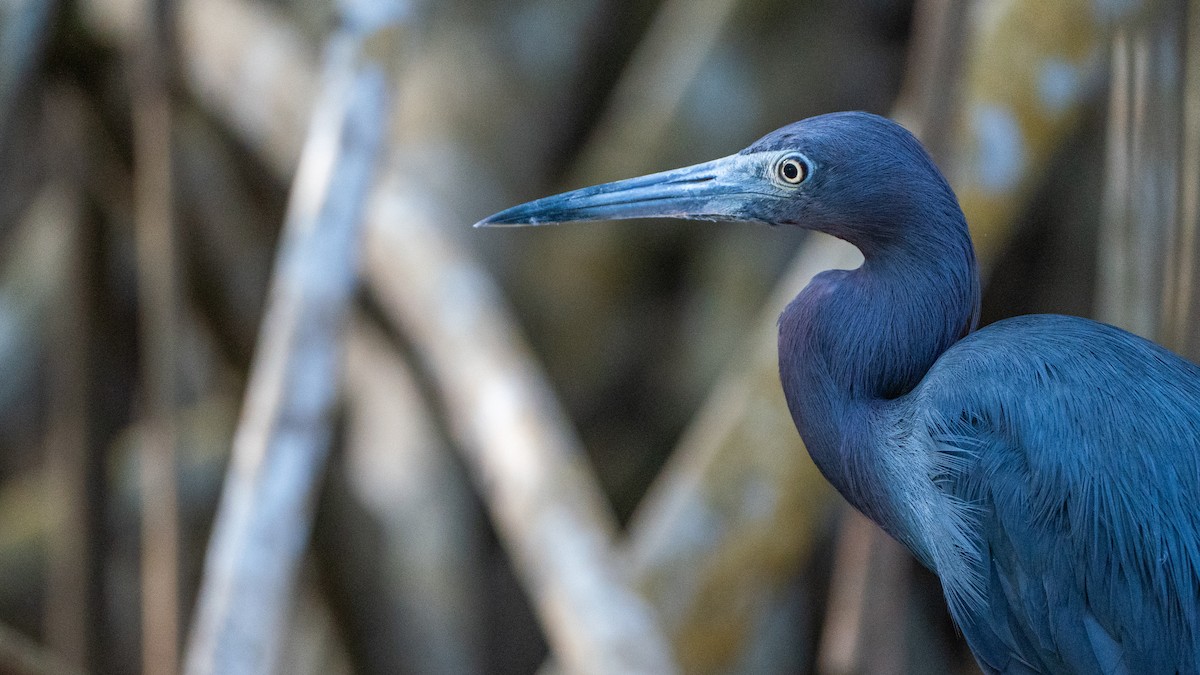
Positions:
{"x": 1046, "y": 467}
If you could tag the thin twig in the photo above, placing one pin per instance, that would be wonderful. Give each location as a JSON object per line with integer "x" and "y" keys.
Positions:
{"x": 1140, "y": 224}
{"x": 282, "y": 441}
{"x": 929, "y": 96}
{"x": 158, "y": 298}
{"x": 646, "y": 100}
{"x": 841, "y": 637}
{"x": 1183, "y": 310}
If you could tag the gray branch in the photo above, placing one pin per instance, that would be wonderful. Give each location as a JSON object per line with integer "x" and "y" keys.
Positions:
{"x": 282, "y": 441}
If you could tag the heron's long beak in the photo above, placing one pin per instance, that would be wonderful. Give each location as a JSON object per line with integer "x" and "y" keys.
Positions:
{"x": 717, "y": 190}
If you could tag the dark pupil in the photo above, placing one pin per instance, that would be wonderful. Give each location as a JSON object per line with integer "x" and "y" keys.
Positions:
{"x": 791, "y": 171}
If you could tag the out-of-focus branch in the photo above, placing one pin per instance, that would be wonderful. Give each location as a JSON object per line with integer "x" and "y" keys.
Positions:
{"x": 1019, "y": 105}
{"x": 1181, "y": 307}
{"x": 867, "y": 606}
{"x": 51, "y": 248}
{"x": 258, "y": 60}
{"x": 68, "y": 609}
{"x": 158, "y": 298}
{"x": 32, "y": 517}
{"x": 1144, "y": 244}
{"x": 647, "y": 98}
{"x": 242, "y": 58}
{"x": 262, "y": 63}
{"x": 226, "y": 231}
{"x": 533, "y": 475}
{"x": 34, "y": 277}
{"x": 282, "y": 441}
{"x": 414, "y": 586}
{"x": 841, "y": 636}
{"x": 927, "y": 104}
{"x": 403, "y": 473}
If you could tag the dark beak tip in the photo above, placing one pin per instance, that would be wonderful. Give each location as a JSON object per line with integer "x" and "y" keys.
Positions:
{"x": 492, "y": 222}
{"x": 495, "y": 220}
{"x": 518, "y": 216}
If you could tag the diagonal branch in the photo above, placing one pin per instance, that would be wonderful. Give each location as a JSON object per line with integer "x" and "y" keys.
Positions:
{"x": 282, "y": 441}
{"x": 532, "y": 473}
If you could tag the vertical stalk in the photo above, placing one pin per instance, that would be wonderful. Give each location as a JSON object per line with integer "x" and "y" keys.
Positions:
{"x": 158, "y": 298}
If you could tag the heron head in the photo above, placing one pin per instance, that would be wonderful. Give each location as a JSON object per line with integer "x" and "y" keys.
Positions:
{"x": 854, "y": 175}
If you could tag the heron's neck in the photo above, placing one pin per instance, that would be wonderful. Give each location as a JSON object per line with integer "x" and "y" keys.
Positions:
{"x": 855, "y": 338}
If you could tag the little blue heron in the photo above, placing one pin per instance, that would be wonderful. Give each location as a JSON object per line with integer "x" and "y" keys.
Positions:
{"x": 1046, "y": 468}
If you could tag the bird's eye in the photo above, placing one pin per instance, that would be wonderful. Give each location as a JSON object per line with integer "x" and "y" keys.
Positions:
{"x": 792, "y": 171}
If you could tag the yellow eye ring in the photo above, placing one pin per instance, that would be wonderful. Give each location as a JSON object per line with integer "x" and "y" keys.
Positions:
{"x": 792, "y": 171}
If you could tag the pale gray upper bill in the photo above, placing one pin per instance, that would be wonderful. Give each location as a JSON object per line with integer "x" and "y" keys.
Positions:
{"x": 716, "y": 190}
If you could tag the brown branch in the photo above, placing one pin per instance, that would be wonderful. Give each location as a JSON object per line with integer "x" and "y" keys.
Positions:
{"x": 866, "y": 615}
{"x": 282, "y": 441}
{"x": 158, "y": 297}
{"x": 1182, "y": 302}
{"x": 242, "y": 59}
{"x": 46, "y": 285}
{"x": 68, "y": 608}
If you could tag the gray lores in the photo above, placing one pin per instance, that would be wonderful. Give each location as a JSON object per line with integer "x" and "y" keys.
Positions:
{"x": 1046, "y": 468}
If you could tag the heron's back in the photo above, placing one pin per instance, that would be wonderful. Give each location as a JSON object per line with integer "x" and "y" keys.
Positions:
{"x": 1077, "y": 446}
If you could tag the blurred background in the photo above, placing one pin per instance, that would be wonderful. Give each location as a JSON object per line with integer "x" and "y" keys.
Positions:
{"x": 241, "y": 302}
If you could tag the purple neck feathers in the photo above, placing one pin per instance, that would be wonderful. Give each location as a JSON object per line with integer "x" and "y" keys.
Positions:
{"x": 854, "y": 339}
